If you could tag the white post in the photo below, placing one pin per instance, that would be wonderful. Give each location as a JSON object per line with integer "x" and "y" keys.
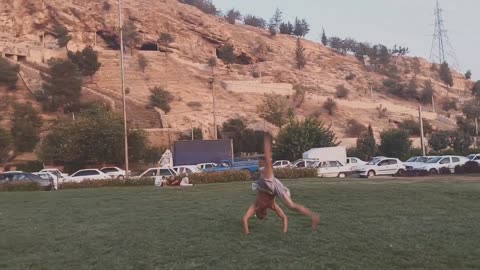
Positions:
{"x": 421, "y": 130}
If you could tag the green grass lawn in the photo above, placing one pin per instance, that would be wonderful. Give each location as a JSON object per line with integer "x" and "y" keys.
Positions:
{"x": 365, "y": 225}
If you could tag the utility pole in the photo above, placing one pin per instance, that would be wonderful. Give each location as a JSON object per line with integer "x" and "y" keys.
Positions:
{"x": 215, "y": 132}
{"x": 433, "y": 103}
{"x": 421, "y": 130}
{"x": 122, "y": 64}
{"x": 371, "y": 93}
{"x": 191, "y": 126}
{"x": 476, "y": 133}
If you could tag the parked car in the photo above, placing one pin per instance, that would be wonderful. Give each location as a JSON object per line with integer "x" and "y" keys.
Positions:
{"x": 56, "y": 172}
{"x": 114, "y": 172}
{"x": 332, "y": 169}
{"x": 433, "y": 165}
{"x": 88, "y": 174}
{"x": 204, "y": 166}
{"x": 281, "y": 164}
{"x": 9, "y": 177}
{"x": 353, "y": 163}
{"x": 474, "y": 157}
{"x": 54, "y": 179}
{"x": 416, "y": 162}
{"x": 186, "y": 170}
{"x": 227, "y": 165}
{"x": 382, "y": 166}
{"x": 304, "y": 163}
{"x": 158, "y": 172}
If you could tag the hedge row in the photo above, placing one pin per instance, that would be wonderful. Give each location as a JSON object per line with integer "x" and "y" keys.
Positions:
{"x": 19, "y": 186}
{"x": 219, "y": 177}
{"x": 108, "y": 183}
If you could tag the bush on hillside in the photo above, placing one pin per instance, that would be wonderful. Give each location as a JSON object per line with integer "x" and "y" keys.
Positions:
{"x": 342, "y": 91}
{"x": 254, "y": 21}
{"x": 355, "y": 128}
{"x": 204, "y": 5}
{"x": 161, "y": 98}
{"x": 330, "y": 105}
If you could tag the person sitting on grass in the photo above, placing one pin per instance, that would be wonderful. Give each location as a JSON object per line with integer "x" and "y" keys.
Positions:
{"x": 173, "y": 182}
{"x": 268, "y": 188}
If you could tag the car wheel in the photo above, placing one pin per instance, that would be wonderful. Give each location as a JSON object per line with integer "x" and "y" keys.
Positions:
{"x": 342, "y": 175}
{"x": 121, "y": 177}
{"x": 433, "y": 171}
{"x": 400, "y": 172}
{"x": 371, "y": 173}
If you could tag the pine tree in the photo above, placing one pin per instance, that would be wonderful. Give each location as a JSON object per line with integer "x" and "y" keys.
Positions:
{"x": 233, "y": 15}
{"x": 446, "y": 74}
{"x": 300, "y": 55}
{"x": 324, "y": 38}
{"x": 62, "y": 35}
{"x": 468, "y": 75}
{"x": 275, "y": 21}
{"x": 366, "y": 144}
{"x": 63, "y": 84}
{"x": 86, "y": 61}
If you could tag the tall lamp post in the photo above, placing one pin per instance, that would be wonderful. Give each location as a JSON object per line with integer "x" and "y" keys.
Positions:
{"x": 122, "y": 64}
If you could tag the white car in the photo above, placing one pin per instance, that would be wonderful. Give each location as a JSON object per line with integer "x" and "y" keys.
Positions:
{"x": 186, "y": 170}
{"x": 304, "y": 163}
{"x": 416, "y": 162}
{"x": 160, "y": 174}
{"x": 88, "y": 174}
{"x": 332, "y": 169}
{"x": 204, "y": 166}
{"x": 56, "y": 172}
{"x": 281, "y": 164}
{"x": 433, "y": 165}
{"x": 382, "y": 166}
{"x": 354, "y": 163}
{"x": 474, "y": 157}
{"x": 114, "y": 172}
{"x": 50, "y": 177}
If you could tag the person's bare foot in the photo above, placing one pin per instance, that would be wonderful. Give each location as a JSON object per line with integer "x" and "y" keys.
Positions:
{"x": 315, "y": 222}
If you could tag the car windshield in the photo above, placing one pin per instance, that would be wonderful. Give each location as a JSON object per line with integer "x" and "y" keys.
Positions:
{"x": 434, "y": 160}
{"x": 471, "y": 157}
{"x": 413, "y": 159}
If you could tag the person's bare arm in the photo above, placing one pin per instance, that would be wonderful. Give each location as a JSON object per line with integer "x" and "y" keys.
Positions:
{"x": 267, "y": 141}
{"x": 246, "y": 217}
{"x": 282, "y": 215}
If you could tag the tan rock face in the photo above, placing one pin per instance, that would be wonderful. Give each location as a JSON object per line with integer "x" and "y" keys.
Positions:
{"x": 185, "y": 73}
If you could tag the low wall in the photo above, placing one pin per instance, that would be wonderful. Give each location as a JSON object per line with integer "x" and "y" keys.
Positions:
{"x": 256, "y": 87}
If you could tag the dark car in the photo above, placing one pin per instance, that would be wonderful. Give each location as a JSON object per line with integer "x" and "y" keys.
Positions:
{"x": 11, "y": 177}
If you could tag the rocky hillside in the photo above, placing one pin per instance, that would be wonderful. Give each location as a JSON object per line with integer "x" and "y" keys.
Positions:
{"x": 239, "y": 88}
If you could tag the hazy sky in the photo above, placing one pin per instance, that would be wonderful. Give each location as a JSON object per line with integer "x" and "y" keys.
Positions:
{"x": 405, "y": 22}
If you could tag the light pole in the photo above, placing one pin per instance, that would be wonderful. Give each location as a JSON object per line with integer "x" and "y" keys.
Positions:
{"x": 122, "y": 64}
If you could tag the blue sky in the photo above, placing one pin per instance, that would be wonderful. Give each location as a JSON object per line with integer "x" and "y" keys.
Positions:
{"x": 405, "y": 22}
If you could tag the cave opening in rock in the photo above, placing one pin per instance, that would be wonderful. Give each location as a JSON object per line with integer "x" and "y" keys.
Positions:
{"x": 149, "y": 46}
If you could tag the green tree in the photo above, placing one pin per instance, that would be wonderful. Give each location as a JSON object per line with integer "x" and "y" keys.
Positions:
{"x": 26, "y": 124}
{"x": 446, "y": 74}
{"x": 5, "y": 144}
{"x": 245, "y": 140}
{"x": 460, "y": 142}
{"x": 86, "y": 61}
{"x": 92, "y": 138}
{"x": 142, "y": 62}
{"x": 427, "y": 92}
{"x": 165, "y": 39}
{"x": 413, "y": 127}
{"x": 354, "y": 128}
{"x": 8, "y": 73}
{"x": 301, "y": 28}
{"x": 205, "y": 6}
{"x": 471, "y": 109}
{"x": 439, "y": 140}
{"x": 131, "y": 36}
{"x": 468, "y": 75}
{"x": 395, "y": 143}
{"x": 300, "y": 136}
{"x": 160, "y": 98}
{"x": 63, "y": 84}
{"x": 366, "y": 144}
{"x": 275, "y": 109}
{"x": 330, "y": 105}
{"x": 324, "y": 38}
{"x": 254, "y": 21}
{"x": 275, "y": 22}
{"x": 62, "y": 35}
{"x": 227, "y": 54}
{"x": 300, "y": 59}
{"x": 286, "y": 28}
{"x": 233, "y": 15}
{"x": 476, "y": 89}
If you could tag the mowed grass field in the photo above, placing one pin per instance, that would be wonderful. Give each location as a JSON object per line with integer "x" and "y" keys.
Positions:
{"x": 383, "y": 224}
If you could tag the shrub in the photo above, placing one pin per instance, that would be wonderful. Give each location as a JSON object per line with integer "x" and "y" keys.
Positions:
{"x": 330, "y": 105}
{"x": 288, "y": 173}
{"x": 142, "y": 62}
{"x": 471, "y": 167}
{"x": 106, "y": 6}
{"x": 20, "y": 186}
{"x": 227, "y": 54}
{"x": 254, "y": 21}
{"x": 342, "y": 91}
{"x": 8, "y": 73}
{"x": 444, "y": 171}
{"x": 413, "y": 127}
{"x": 350, "y": 77}
{"x": 460, "y": 169}
{"x": 382, "y": 111}
{"x": 449, "y": 104}
{"x": 355, "y": 128}
{"x": 195, "y": 105}
{"x": 108, "y": 183}
{"x": 219, "y": 177}
{"x": 204, "y": 5}
{"x": 161, "y": 98}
